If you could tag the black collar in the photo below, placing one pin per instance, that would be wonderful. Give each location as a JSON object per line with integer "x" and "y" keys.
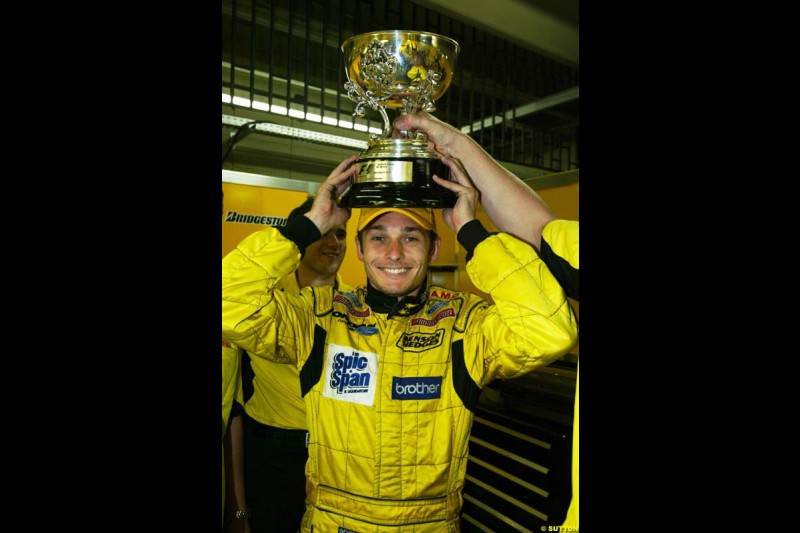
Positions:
{"x": 383, "y": 303}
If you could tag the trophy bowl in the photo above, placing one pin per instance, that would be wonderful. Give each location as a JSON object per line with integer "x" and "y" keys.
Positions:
{"x": 403, "y": 71}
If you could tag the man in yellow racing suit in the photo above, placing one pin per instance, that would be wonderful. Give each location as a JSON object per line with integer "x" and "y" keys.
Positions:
{"x": 392, "y": 372}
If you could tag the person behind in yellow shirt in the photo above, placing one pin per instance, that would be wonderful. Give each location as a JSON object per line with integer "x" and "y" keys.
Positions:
{"x": 517, "y": 209}
{"x": 273, "y": 442}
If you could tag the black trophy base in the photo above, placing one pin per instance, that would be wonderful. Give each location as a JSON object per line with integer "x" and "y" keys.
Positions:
{"x": 421, "y": 191}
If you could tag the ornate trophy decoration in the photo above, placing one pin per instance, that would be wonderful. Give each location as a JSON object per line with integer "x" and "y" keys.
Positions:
{"x": 406, "y": 71}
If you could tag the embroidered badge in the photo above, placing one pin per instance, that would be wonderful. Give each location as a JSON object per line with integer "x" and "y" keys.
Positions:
{"x": 367, "y": 330}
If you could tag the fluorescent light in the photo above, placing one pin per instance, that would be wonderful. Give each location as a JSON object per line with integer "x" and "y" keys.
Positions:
{"x": 296, "y": 133}
{"x": 296, "y": 113}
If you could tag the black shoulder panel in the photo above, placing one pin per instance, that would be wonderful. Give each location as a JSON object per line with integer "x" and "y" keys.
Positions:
{"x": 566, "y": 274}
{"x": 466, "y": 388}
{"x": 311, "y": 372}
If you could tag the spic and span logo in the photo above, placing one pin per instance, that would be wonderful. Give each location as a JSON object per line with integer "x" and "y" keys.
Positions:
{"x": 350, "y": 375}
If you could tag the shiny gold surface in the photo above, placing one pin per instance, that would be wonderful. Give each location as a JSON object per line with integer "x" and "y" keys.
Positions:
{"x": 399, "y": 148}
{"x": 397, "y": 65}
{"x": 385, "y": 171}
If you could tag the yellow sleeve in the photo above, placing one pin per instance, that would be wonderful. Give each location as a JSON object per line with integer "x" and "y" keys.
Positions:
{"x": 264, "y": 321}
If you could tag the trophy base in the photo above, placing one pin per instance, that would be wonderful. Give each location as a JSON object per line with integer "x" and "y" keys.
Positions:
{"x": 378, "y": 188}
{"x": 391, "y": 195}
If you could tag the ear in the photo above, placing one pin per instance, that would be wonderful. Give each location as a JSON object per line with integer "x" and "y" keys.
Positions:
{"x": 435, "y": 249}
{"x": 358, "y": 249}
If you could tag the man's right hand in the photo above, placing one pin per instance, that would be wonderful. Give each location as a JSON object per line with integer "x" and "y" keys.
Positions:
{"x": 325, "y": 213}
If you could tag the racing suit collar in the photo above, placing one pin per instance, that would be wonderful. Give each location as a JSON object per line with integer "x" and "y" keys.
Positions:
{"x": 383, "y": 303}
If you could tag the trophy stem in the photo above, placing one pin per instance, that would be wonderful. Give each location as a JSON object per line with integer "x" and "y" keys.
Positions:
{"x": 387, "y": 125}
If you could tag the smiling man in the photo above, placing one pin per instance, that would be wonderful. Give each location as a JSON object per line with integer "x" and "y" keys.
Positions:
{"x": 396, "y": 246}
{"x": 391, "y": 372}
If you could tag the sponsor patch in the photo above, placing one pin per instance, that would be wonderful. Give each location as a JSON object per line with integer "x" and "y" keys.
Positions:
{"x": 352, "y": 326}
{"x": 245, "y": 218}
{"x": 419, "y": 388}
{"x": 354, "y": 299}
{"x": 419, "y": 342}
{"x": 367, "y": 330}
{"x": 350, "y": 375}
{"x": 351, "y": 306}
{"x": 435, "y": 307}
{"x": 442, "y": 295}
{"x": 345, "y": 530}
{"x": 445, "y": 313}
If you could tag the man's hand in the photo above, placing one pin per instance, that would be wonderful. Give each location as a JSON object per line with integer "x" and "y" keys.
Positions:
{"x": 325, "y": 213}
{"x": 441, "y": 135}
{"x": 466, "y": 204}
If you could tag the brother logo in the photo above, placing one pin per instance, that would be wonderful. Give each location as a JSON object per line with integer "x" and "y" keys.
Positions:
{"x": 416, "y": 388}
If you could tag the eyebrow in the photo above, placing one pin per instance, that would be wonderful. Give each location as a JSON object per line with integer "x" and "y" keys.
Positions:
{"x": 406, "y": 229}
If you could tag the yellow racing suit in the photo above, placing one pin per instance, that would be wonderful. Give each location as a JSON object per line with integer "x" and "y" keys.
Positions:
{"x": 390, "y": 387}
{"x": 560, "y": 253}
{"x": 275, "y": 398}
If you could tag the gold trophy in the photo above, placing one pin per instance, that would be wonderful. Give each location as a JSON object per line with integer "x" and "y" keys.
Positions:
{"x": 405, "y": 71}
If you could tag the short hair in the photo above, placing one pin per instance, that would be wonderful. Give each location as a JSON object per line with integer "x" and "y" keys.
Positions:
{"x": 300, "y": 210}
